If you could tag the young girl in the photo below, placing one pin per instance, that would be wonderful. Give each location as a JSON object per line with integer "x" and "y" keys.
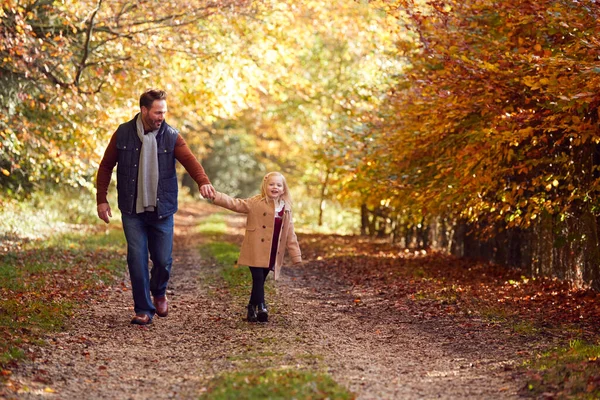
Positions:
{"x": 269, "y": 232}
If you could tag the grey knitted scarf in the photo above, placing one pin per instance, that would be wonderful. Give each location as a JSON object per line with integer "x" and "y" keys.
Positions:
{"x": 147, "y": 185}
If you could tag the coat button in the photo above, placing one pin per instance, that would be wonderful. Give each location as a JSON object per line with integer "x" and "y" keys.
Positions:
{"x": 265, "y": 214}
{"x": 264, "y": 226}
{"x": 262, "y": 240}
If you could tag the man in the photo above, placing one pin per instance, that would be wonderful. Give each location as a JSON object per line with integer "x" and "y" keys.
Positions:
{"x": 144, "y": 150}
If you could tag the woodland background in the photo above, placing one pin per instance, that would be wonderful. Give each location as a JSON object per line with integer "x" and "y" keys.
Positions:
{"x": 467, "y": 126}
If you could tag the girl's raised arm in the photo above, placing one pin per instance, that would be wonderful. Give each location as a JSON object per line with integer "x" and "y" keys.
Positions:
{"x": 237, "y": 205}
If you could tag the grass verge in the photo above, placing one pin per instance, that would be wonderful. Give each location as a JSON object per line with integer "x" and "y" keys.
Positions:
{"x": 43, "y": 281}
{"x": 568, "y": 372}
{"x": 238, "y": 280}
{"x": 43, "y": 215}
{"x": 213, "y": 225}
{"x": 275, "y": 384}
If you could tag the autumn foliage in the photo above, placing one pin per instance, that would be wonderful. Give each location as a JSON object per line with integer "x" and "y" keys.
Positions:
{"x": 434, "y": 117}
{"x": 69, "y": 68}
{"x": 494, "y": 123}
{"x": 497, "y": 115}
{"x": 71, "y": 71}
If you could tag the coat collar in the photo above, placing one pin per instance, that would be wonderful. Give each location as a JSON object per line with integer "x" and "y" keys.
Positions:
{"x": 286, "y": 206}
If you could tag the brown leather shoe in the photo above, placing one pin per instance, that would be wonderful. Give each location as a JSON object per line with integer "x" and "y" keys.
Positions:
{"x": 162, "y": 306}
{"x": 141, "y": 319}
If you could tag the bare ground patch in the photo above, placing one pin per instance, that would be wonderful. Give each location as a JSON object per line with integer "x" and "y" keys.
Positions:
{"x": 379, "y": 351}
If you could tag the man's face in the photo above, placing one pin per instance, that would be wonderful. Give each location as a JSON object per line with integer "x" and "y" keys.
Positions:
{"x": 155, "y": 115}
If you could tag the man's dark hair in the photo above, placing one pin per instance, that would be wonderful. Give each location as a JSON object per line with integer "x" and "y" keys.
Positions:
{"x": 148, "y": 97}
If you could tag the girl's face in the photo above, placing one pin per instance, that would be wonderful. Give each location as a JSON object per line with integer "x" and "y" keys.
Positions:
{"x": 275, "y": 187}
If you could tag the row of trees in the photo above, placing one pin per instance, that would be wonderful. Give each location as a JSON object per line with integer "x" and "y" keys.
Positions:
{"x": 471, "y": 125}
{"x": 494, "y": 127}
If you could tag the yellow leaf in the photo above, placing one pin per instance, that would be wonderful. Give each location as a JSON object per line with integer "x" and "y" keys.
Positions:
{"x": 537, "y": 47}
{"x": 5, "y": 172}
{"x": 528, "y": 80}
{"x": 490, "y": 67}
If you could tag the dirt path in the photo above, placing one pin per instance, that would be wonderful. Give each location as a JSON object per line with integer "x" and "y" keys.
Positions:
{"x": 374, "y": 348}
{"x": 378, "y": 352}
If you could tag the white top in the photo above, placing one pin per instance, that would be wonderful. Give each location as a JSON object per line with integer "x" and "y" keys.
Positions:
{"x": 279, "y": 206}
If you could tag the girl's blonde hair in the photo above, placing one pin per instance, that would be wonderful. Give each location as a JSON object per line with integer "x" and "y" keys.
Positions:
{"x": 286, "y": 190}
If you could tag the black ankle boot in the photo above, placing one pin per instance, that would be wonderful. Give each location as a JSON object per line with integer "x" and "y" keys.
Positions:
{"x": 262, "y": 314}
{"x": 251, "y": 313}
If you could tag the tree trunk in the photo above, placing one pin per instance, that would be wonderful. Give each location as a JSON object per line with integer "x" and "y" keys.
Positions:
{"x": 322, "y": 199}
{"x": 364, "y": 220}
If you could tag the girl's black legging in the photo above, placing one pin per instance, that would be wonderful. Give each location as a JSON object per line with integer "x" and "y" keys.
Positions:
{"x": 259, "y": 276}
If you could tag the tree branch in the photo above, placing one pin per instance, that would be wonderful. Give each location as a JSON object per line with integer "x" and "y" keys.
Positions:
{"x": 86, "y": 47}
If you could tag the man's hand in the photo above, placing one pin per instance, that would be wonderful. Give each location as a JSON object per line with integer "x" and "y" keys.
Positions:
{"x": 104, "y": 212}
{"x": 208, "y": 191}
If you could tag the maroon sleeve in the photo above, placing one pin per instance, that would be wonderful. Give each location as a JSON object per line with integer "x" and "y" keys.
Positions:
{"x": 184, "y": 155}
{"x": 105, "y": 170}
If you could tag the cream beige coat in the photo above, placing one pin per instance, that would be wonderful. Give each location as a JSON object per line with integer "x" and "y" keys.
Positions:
{"x": 256, "y": 248}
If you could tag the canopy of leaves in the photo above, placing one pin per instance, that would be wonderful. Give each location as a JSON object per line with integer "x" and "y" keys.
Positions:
{"x": 496, "y": 117}
{"x": 71, "y": 71}
{"x": 480, "y": 109}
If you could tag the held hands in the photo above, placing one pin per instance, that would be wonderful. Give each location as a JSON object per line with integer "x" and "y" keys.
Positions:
{"x": 104, "y": 212}
{"x": 208, "y": 191}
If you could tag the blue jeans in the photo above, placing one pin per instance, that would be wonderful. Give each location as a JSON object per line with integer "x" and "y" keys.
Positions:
{"x": 145, "y": 233}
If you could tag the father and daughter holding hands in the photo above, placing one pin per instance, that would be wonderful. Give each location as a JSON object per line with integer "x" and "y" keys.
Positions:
{"x": 144, "y": 150}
